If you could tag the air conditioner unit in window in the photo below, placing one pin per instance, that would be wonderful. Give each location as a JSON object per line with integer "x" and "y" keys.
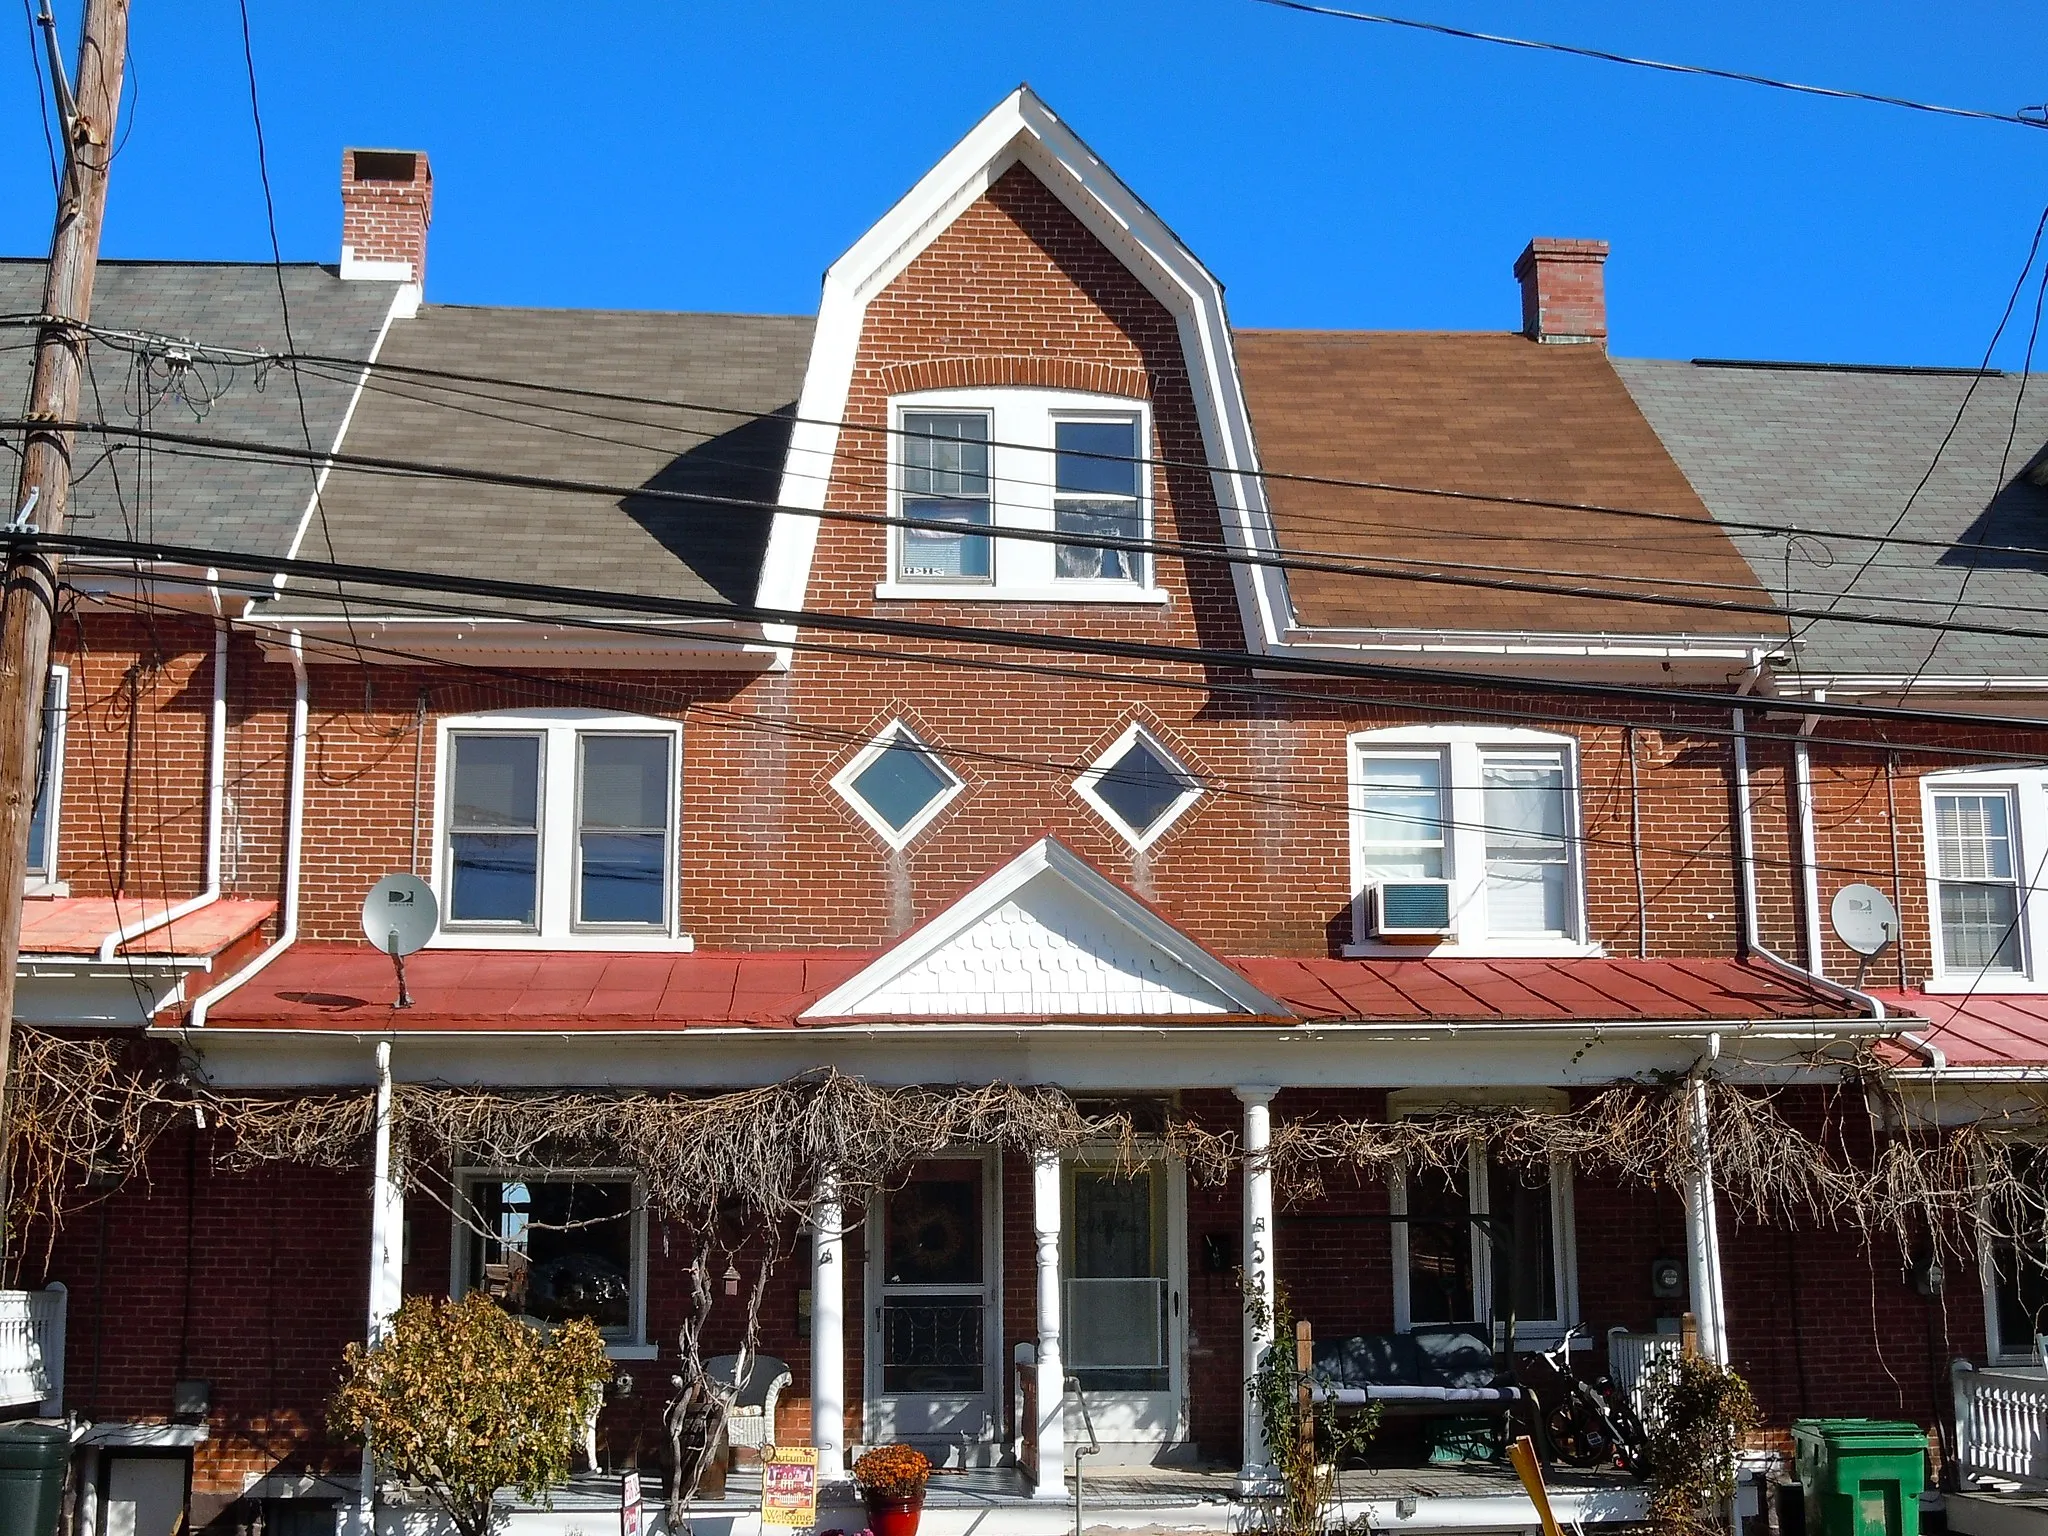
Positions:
{"x": 1409, "y": 909}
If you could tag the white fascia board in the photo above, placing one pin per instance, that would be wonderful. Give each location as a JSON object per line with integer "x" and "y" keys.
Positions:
{"x": 1023, "y": 130}
{"x": 1534, "y": 645}
{"x": 1079, "y": 1057}
{"x": 1968, "y": 687}
{"x": 1046, "y": 856}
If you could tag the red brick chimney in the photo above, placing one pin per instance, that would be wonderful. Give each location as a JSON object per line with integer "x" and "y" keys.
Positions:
{"x": 387, "y": 201}
{"x": 1564, "y": 290}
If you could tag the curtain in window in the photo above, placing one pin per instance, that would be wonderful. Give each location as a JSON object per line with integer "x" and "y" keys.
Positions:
{"x": 1528, "y": 862}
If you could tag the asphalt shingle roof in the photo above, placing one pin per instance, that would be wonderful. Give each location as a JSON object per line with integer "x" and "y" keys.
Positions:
{"x": 1841, "y": 450}
{"x": 752, "y": 365}
{"x": 214, "y": 502}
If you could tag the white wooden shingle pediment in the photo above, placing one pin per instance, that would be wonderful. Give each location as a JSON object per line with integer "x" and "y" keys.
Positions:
{"x": 1046, "y": 936}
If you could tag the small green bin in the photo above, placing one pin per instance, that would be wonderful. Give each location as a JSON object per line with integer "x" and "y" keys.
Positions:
{"x": 1861, "y": 1477}
{"x": 32, "y": 1462}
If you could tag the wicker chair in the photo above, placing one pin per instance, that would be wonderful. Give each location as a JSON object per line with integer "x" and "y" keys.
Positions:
{"x": 752, "y": 1420}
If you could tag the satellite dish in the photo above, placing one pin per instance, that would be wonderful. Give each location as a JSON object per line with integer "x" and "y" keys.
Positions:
{"x": 399, "y": 917}
{"x": 1864, "y": 918}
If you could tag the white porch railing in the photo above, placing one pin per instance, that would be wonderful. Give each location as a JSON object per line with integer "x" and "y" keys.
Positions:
{"x": 2001, "y": 1425}
{"x": 1628, "y": 1363}
{"x": 32, "y": 1349}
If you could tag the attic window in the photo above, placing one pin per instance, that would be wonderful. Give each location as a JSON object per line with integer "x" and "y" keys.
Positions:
{"x": 1139, "y": 787}
{"x": 897, "y": 784}
{"x": 386, "y": 165}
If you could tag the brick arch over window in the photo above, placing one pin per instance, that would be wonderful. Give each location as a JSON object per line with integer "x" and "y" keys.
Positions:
{"x": 1023, "y": 370}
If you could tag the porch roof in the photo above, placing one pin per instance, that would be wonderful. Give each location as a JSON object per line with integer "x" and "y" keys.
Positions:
{"x": 79, "y": 925}
{"x": 349, "y": 988}
{"x": 1974, "y": 1030}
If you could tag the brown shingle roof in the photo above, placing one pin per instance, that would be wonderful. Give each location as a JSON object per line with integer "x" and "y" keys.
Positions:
{"x": 1492, "y": 413}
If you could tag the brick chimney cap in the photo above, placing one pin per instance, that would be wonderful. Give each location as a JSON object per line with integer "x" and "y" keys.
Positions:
{"x": 1550, "y": 248}
{"x": 365, "y": 163}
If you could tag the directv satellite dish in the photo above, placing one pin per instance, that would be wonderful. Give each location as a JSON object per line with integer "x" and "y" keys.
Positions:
{"x": 399, "y": 916}
{"x": 1864, "y": 918}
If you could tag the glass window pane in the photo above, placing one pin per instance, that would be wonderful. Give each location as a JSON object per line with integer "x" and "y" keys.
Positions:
{"x": 901, "y": 782}
{"x": 557, "y": 1249}
{"x": 1401, "y": 821}
{"x": 945, "y": 454}
{"x": 1098, "y": 458}
{"x": 1524, "y": 805}
{"x": 1097, "y": 520}
{"x": 1973, "y": 837}
{"x": 495, "y": 877}
{"x": 1523, "y": 1241}
{"x": 932, "y": 1232}
{"x": 1527, "y": 897}
{"x": 624, "y": 878}
{"x": 1980, "y": 927}
{"x": 1141, "y": 786}
{"x": 933, "y": 1344}
{"x": 929, "y": 554}
{"x": 1439, "y": 1247}
{"x": 497, "y": 782}
{"x": 625, "y": 781}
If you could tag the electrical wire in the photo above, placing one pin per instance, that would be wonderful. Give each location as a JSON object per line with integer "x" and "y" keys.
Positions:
{"x": 35, "y": 58}
{"x": 1740, "y": 77}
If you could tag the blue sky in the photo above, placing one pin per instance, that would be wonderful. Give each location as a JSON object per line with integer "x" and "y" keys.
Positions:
{"x": 1331, "y": 173}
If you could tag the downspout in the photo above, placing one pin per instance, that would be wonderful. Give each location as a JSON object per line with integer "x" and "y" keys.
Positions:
{"x": 1809, "y": 841}
{"x": 295, "y": 821}
{"x": 1745, "y": 858}
{"x": 216, "y": 794}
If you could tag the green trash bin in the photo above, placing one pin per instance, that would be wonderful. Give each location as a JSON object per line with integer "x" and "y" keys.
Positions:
{"x": 32, "y": 1462}
{"x": 1861, "y": 1477}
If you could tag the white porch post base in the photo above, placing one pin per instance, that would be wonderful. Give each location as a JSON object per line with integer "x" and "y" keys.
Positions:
{"x": 828, "y": 1330}
{"x": 1260, "y": 1284}
{"x": 1051, "y": 1428}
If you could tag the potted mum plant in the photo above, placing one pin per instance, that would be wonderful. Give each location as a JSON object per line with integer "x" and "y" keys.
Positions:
{"x": 891, "y": 1480}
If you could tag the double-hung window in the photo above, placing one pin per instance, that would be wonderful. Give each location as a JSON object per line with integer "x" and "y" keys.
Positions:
{"x": 1987, "y": 843}
{"x": 555, "y": 1246}
{"x": 1070, "y": 470}
{"x": 43, "y": 820}
{"x": 559, "y": 826}
{"x": 1493, "y": 813}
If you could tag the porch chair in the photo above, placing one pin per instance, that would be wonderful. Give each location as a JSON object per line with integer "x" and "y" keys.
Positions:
{"x": 752, "y": 1419}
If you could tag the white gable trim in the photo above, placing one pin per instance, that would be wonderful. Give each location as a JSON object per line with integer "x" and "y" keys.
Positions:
{"x": 1221, "y": 990}
{"x": 1023, "y": 130}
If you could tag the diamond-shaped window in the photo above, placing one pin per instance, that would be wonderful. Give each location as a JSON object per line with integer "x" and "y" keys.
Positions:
{"x": 897, "y": 784}
{"x": 1139, "y": 787}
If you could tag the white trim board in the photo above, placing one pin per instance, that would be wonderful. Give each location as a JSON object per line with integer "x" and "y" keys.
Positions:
{"x": 1105, "y": 953}
{"x": 1022, "y": 130}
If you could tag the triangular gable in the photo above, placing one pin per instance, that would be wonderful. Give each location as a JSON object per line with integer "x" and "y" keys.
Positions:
{"x": 1022, "y": 130}
{"x": 1046, "y": 936}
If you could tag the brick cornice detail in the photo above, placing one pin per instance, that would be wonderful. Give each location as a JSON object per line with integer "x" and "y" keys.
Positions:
{"x": 1024, "y": 370}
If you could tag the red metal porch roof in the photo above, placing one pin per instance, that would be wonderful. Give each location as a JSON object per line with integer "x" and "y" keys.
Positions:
{"x": 1978, "y": 1031}
{"x": 78, "y": 925}
{"x": 351, "y": 987}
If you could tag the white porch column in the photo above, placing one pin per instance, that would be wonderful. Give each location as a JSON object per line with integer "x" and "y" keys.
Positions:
{"x": 1703, "y": 1229}
{"x": 1051, "y": 1368}
{"x": 828, "y": 1329}
{"x": 1259, "y": 1258}
{"x": 387, "y": 1260}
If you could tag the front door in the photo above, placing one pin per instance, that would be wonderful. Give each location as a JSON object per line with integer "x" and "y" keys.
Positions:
{"x": 933, "y": 1313}
{"x": 1121, "y": 1324}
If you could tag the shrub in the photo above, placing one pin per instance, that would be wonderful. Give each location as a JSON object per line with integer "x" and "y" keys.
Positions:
{"x": 1698, "y": 1414}
{"x": 460, "y": 1399}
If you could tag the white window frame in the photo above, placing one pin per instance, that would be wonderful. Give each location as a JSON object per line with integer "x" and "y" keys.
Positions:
{"x": 1088, "y": 787}
{"x": 2027, "y": 788}
{"x": 1462, "y": 750}
{"x": 556, "y": 925}
{"x": 1021, "y": 478}
{"x": 1530, "y": 1333}
{"x": 56, "y": 719}
{"x": 880, "y": 742}
{"x": 634, "y": 1346}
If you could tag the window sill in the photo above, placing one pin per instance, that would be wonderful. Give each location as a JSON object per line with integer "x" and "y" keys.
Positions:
{"x": 632, "y": 1351}
{"x": 986, "y": 592}
{"x": 36, "y": 887}
{"x": 582, "y": 943}
{"x": 1986, "y": 986}
{"x": 1498, "y": 949}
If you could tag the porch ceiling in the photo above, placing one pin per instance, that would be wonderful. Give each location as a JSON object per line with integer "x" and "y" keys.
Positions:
{"x": 349, "y": 988}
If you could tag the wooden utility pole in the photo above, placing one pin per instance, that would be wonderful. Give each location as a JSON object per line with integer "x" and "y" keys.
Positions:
{"x": 30, "y": 596}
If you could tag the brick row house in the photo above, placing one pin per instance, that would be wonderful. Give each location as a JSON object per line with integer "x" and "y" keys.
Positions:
{"x": 1584, "y": 834}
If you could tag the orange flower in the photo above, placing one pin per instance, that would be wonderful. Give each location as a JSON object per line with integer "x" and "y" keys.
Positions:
{"x": 892, "y": 1472}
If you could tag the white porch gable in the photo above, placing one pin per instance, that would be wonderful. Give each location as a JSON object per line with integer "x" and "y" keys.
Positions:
{"x": 1046, "y": 935}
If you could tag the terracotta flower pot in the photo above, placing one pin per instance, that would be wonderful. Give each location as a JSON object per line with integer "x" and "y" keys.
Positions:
{"x": 893, "y": 1517}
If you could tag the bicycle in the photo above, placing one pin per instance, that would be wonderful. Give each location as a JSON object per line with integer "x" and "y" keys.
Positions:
{"x": 1585, "y": 1423}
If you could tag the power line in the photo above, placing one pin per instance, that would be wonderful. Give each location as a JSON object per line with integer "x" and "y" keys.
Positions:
{"x": 1362, "y": 566}
{"x": 1740, "y": 77}
{"x": 1200, "y": 657}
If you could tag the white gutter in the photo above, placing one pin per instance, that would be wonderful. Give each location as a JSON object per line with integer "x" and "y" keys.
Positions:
{"x": 216, "y": 793}
{"x": 1745, "y": 858}
{"x": 295, "y": 823}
